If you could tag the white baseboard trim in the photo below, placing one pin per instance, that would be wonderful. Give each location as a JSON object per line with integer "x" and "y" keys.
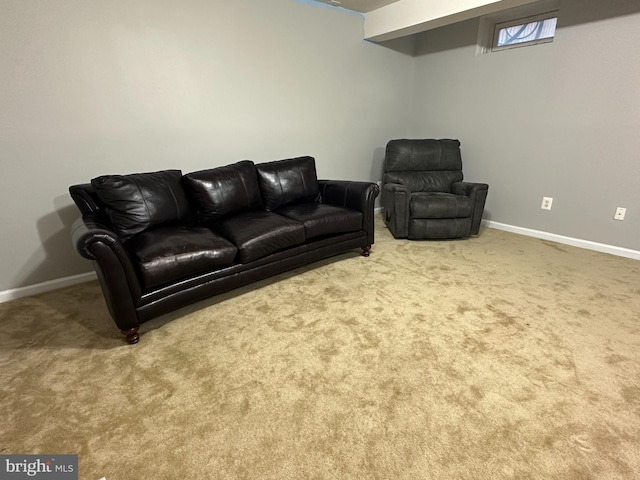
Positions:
{"x": 44, "y": 287}
{"x": 574, "y": 242}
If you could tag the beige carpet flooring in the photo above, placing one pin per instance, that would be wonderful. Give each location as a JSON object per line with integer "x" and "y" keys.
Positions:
{"x": 496, "y": 357}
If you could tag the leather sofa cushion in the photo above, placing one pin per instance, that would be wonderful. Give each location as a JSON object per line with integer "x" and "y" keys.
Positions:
{"x": 166, "y": 254}
{"x": 439, "y": 205}
{"x": 257, "y": 234}
{"x": 320, "y": 219}
{"x": 284, "y": 182}
{"x": 141, "y": 201}
{"x": 224, "y": 190}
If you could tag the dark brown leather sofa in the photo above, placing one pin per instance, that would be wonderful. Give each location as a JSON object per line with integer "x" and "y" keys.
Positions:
{"x": 162, "y": 240}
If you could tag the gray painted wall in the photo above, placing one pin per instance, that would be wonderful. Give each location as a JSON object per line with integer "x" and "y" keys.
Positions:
{"x": 560, "y": 120}
{"x": 91, "y": 87}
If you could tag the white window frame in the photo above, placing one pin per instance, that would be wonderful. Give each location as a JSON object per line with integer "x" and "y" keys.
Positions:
{"x": 522, "y": 21}
{"x": 513, "y": 16}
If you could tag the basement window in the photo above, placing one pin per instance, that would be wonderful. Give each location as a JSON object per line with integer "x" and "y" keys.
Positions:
{"x": 530, "y": 24}
{"x": 522, "y": 32}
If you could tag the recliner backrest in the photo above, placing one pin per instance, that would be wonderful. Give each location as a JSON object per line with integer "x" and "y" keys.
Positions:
{"x": 423, "y": 165}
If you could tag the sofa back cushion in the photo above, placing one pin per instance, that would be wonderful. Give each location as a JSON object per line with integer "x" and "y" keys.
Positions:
{"x": 284, "y": 182}
{"x": 139, "y": 201}
{"x": 222, "y": 191}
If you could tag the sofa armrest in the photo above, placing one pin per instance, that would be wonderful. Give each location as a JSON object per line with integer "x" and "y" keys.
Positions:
{"x": 358, "y": 196}
{"x": 477, "y": 192}
{"x": 120, "y": 284}
{"x": 395, "y": 202}
{"x": 87, "y": 230}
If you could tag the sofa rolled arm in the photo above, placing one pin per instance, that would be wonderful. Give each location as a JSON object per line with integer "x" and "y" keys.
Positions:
{"x": 86, "y": 230}
{"x": 358, "y": 196}
{"x": 120, "y": 284}
{"x": 343, "y": 193}
{"x": 477, "y": 192}
{"x": 395, "y": 202}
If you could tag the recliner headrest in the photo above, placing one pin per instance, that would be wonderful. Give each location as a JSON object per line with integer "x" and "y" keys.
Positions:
{"x": 422, "y": 155}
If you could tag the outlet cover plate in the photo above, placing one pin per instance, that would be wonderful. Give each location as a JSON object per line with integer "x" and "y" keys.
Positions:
{"x": 620, "y": 213}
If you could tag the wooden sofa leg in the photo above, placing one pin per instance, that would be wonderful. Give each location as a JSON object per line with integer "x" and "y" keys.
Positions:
{"x": 366, "y": 251}
{"x": 132, "y": 335}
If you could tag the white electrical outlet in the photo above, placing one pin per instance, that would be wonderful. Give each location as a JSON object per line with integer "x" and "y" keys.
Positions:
{"x": 546, "y": 203}
{"x": 620, "y": 213}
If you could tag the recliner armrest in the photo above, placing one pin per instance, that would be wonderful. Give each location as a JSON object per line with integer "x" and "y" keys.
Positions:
{"x": 477, "y": 192}
{"x": 395, "y": 202}
{"x": 391, "y": 188}
{"x": 468, "y": 189}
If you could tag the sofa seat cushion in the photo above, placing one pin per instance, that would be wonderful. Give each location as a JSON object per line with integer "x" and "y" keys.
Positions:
{"x": 289, "y": 181}
{"x": 141, "y": 201}
{"x": 439, "y": 205}
{"x": 222, "y": 191}
{"x": 166, "y": 254}
{"x": 321, "y": 219}
{"x": 258, "y": 234}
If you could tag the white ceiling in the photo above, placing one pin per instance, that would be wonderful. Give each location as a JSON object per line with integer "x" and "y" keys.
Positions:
{"x": 359, "y": 5}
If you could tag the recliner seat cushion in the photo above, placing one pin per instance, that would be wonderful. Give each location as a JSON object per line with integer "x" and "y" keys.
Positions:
{"x": 257, "y": 234}
{"x": 166, "y": 254}
{"x": 289, "y": 181}
{"x": 140, "y": 201}
{"x": 221, "y": 191}
{"x": 439, "y": 205}
{"x": 320, "y": 219}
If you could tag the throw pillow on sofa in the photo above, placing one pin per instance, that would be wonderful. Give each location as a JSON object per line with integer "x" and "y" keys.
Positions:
{"x": 284, "y": 182}
{"x": 139, "y": 201}
{"x": 218, "y": 192}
